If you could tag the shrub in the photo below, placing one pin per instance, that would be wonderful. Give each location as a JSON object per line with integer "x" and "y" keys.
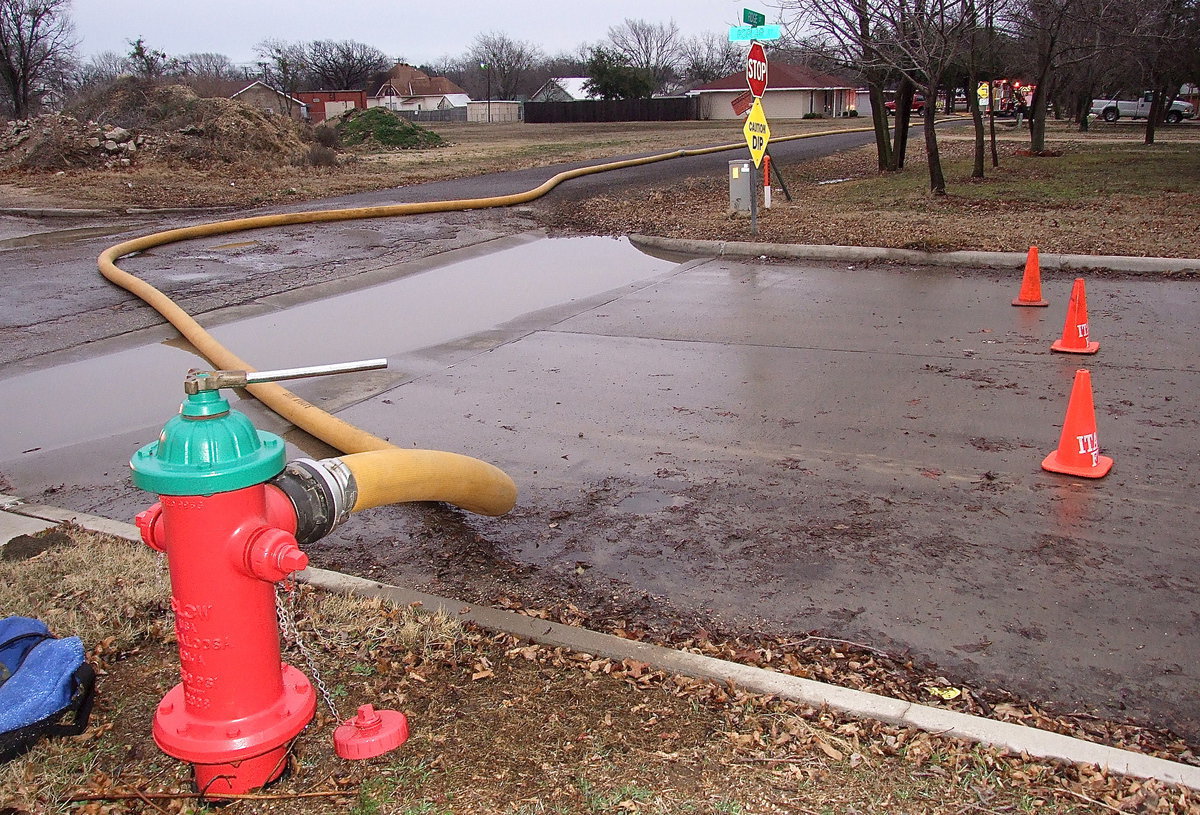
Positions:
{"x": 814, "y": 116}
{"x": 381, "y": 126}
{"x": 327, "y": 136}
{"x": 319, "y": 155}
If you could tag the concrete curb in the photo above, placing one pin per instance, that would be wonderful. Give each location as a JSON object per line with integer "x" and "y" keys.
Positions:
{"x": 56, "y": 212}
{"x": 1014, "y": 737}
{"x": 53, "y": 516}
{"x": 64, "y": 212}
{"x": 863, "y": 254}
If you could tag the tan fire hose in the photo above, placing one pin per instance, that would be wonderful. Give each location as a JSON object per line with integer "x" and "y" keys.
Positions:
{"x": 384, "y": 473}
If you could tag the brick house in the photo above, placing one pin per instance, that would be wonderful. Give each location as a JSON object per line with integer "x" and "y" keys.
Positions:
{"x": 407, "y": 88}
{"x": 324, "y": 105}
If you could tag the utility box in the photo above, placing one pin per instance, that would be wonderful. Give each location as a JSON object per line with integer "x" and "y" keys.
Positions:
{"x": 741, "y": 185}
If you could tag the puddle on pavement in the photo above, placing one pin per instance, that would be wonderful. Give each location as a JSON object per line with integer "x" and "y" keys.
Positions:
{"x": 649, "y": 501}
{"x": 60, "y": 236}
{"x": 100, "y": 397}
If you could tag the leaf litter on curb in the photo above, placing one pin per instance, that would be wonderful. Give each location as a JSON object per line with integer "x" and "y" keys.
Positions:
{"x": 503, "y": 725}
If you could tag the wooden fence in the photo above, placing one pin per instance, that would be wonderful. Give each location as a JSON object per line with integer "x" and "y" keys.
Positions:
{"x": 666, "y": 109}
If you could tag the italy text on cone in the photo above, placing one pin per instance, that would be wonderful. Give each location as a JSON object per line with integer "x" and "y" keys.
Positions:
{"x": 1075, "y": 337}
{"x": 1078, "y": 450}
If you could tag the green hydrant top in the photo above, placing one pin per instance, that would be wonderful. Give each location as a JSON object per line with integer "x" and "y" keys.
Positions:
{"x": 207, "y": 448}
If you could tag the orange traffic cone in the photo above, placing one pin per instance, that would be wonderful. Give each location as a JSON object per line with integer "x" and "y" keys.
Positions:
{"x": 1031, "y": 283}
{"x": 1074, "y": 338}
{"x": 1078, "y": 450}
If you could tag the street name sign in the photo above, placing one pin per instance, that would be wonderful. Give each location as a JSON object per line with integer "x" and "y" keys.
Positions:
{"x": 757, "y": 132}
{"x": 746, "y": 33}
{"x": 753, "y": 18}
{"x": 756, "y": 70}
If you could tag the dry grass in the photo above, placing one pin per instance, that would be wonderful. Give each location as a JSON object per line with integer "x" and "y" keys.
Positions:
{"x": 1103, "y": 195}
{"x": 471, "y": 150}
{"x": 500, "y": 725}
{"x": 1107, "y": 194}
{"x": 108, "y": 593}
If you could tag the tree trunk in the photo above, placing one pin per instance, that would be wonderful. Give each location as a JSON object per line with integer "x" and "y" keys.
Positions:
{"x": 1037, "y": 111}
{"x": 904, "y": 96}
{"x": 977, "y": 120}
{"x": 992, "y": 122}
{"x": 937, "y": 181}
{"x": 1157, "y": 113}
{"x": 879, "y": 118}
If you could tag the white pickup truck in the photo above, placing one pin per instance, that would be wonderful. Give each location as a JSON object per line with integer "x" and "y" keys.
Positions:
{"x": 1112, "y": 109}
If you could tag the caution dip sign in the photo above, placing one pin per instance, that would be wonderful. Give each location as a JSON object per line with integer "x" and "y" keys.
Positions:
{"x": 757, "y": 132}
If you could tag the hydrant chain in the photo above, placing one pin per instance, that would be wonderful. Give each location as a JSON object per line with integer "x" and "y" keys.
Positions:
{"x": 284, "y": 600}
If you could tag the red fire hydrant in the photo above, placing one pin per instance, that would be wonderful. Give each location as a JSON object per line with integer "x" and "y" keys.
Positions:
{"x": 229, "y": 518}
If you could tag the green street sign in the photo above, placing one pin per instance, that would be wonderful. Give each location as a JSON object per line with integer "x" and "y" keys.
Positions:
{"x": 753, "y": 18}
{"x": 745, "y": 33}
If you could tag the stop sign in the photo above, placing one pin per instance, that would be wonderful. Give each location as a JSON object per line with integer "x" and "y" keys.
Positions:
{"x": 756, "y": 69}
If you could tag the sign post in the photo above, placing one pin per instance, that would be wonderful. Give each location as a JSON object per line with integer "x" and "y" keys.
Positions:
{"x": 756, "y": 130}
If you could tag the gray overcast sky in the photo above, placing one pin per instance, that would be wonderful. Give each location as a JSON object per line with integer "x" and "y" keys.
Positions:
{"x": 417, "y": 32}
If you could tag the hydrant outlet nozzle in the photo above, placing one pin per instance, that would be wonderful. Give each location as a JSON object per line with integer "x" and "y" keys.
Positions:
{"x": 273, "y": 555}
{"x": 147, "y": 522}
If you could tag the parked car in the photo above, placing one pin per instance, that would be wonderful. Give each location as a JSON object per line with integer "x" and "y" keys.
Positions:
{"x": 916, "y": 109}
{"x": 1112, "y": 109}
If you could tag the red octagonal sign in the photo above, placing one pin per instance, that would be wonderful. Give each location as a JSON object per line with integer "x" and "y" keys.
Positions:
{"x": 756, "y": 69}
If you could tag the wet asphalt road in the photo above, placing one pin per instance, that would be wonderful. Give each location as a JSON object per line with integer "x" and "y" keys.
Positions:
{"x": 753, "y": 446}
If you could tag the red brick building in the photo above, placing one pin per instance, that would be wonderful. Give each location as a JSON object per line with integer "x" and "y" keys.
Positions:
{"x": 325, "y": 104}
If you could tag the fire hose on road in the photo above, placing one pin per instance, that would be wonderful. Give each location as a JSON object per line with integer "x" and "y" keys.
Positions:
{"x": 232, "y": 515}
{"x": 385, "y": 473}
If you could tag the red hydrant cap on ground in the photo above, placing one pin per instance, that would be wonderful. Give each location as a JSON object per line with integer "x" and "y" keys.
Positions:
{"x": 371, "y": 733}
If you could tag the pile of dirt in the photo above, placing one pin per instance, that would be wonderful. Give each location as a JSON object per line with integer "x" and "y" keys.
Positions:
{"x": 380, "y": 127}
{"x": 133, "y": 121}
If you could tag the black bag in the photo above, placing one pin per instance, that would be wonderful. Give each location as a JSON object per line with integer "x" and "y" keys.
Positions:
{"x": 43, "y": 679}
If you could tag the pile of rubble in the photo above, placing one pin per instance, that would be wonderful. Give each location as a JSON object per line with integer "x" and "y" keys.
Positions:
{"x": 137, "y": 123}
{"x": 58, "y": 142}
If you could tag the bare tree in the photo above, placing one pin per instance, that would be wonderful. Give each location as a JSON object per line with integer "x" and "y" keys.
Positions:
{"x": 1098, "y": 33}
{"x": 209, "y": 74}
{"x": 653, "y": 47}
{"x": 1167, "y": 29}
{"x": 921, "y": 39}
{"x": 208, "y": 63}
{"x": 505, "y": 62}
{"x": 344, "y": 64}
{"x": 36, "y": 39}
{"x": 709, "y": 57}
{"x": 844, "y": 31}
{"x": 564, "y": 63}
{"x": 103, "y": 67}
{"x": 284, "y": 66}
